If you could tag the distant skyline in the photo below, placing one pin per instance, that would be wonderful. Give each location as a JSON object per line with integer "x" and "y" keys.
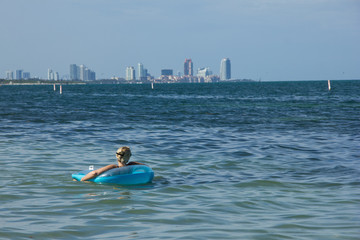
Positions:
{"x": 271, "y": 40}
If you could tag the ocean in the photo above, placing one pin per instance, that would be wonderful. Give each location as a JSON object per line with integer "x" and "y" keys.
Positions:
{"x": 247, "y": 160}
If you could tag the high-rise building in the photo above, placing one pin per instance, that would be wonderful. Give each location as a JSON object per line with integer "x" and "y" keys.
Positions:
{"x": 56, "y": 76}
{"x": 130, "y": 73}
{"x": 74, "y": 72}
{"x": 86, "y": 74}
{"x": 9, "y": 75}
{"x": 145, "y": 74}
{"x": 18, "y": 74}
{"x": 141, "y": 72}
{"x": 50, "y": 74}
{"x": 77, "y": 72}
{"x": 90, "y": 75}
{"x": 188, "y": 67}
{"x": 26, "y": 75}
{"x": 82, "y": 72}
{"x": 225, "y": 69}
{"x": 93, "y": 76}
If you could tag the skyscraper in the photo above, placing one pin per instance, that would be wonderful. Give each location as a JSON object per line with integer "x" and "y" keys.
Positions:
{"x": 50, "y": 74}
{"x": 18, "y": 74}
{"x": 82, "y": 72}
{"x": 188, "y": 67}
{"x": 141, "y": 71}
{"x": 74, "y": 72}
{"x": 225, "y": 69}
{"x": 130, "y": 73}
{"x": 91, "y": 75}
{"x": 56, "y": 76}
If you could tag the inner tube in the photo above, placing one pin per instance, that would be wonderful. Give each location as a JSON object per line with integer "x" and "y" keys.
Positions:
{"x": 128, "y": 175}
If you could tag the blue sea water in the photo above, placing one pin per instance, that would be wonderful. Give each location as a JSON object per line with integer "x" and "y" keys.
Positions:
{"x": 259, "y": 160}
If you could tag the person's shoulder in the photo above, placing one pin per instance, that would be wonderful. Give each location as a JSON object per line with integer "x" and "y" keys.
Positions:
{"x": 135, "y": 163}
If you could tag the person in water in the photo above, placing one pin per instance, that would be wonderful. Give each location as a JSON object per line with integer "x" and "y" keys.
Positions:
{"x": 123, "y": 155}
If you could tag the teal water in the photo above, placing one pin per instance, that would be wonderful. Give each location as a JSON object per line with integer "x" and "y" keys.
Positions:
{"x": 269, "y": 160}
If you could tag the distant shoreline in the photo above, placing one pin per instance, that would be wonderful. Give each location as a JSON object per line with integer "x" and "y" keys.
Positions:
{"x": 30, "y": 82}
{"x": 102, "y": 81}
{"x": 38, "y": 82}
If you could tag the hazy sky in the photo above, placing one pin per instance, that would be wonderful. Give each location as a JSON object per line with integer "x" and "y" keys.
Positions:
{"x": 271, "y": 40}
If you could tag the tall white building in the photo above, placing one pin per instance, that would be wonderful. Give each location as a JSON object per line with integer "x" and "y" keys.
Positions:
{"x": 82, "y": 72}
{"x": 130, "y": 73}
{"x": 56, "y": 76}
{"x": 225, "y": 69}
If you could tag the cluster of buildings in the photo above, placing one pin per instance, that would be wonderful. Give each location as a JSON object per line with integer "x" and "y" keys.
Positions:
{"x": 19, "y": 75}
{"x": 53, "y": 76}
{"x": 81, "y": 73}
{"x": 143, "y": 74}
{"x": 168, "y": 76}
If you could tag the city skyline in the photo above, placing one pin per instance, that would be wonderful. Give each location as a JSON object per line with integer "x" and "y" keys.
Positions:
{"x": 276, "y": 40}
{"x": 83, "y": 73}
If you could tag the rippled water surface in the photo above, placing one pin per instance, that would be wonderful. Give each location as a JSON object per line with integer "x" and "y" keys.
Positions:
{"x": 270, "y": 160}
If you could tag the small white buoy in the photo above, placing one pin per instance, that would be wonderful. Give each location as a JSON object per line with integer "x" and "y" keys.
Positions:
{"x": 329, "y": 86}
{"x": 54, "y": 87}
{"x": 60, "y": 89}
{"x": 152, "y": 85}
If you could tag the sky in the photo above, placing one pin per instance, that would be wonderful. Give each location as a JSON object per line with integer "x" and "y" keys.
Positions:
{"x": 275, "y": 40}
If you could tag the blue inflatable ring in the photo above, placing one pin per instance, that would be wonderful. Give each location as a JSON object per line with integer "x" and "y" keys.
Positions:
{"x": 128, "y": 175}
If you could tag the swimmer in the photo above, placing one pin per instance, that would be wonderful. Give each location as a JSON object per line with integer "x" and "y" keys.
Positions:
{"x": 123, "y": 155}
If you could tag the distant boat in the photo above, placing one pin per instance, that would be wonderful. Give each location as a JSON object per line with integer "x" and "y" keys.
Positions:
{"x": 329, "y": 86}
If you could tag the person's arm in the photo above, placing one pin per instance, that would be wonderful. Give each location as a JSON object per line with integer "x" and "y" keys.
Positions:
{"x": 97, "y": 172}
